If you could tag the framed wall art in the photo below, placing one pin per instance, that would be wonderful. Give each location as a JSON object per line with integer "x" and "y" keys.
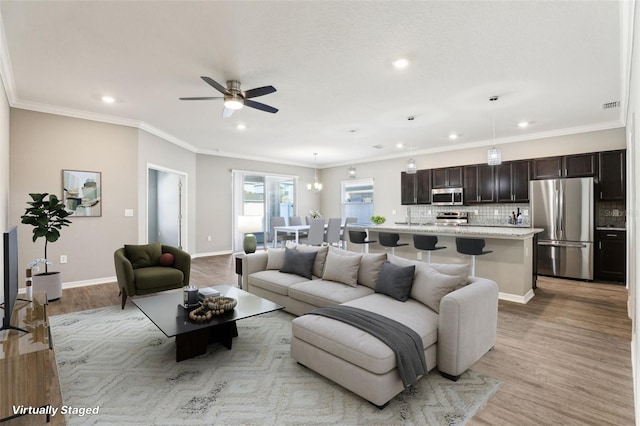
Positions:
{"x": 82, "y": 192}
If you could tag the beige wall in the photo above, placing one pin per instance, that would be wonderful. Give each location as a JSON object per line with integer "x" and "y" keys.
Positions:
{"x": 386, "y": 174}
{"x": 155, "y": 151}
{"x": 42, "y": 145}
{"x": 4, "y": 158}
{"x": 214, "y": 197}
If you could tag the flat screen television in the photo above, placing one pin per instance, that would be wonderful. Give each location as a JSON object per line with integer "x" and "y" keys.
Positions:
{"x": 10, "y": 267}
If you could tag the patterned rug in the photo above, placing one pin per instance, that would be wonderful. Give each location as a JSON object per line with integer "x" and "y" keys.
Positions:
{"x": 119, "y": 361}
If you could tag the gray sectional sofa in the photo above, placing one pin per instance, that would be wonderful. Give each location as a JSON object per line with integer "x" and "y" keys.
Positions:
{"x": 454, "y": 314}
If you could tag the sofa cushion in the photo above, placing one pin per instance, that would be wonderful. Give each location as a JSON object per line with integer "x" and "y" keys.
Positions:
{"x": 395, "y": 281}
{"x": 298, "y": 262}
{"x": 341, "y": 268}
{"x": 361, "y": 348}
{"x": 143, "y": 255}
{"x": 370, "y": 267}
{"x": 430, "y": 286}
{"x": 274, "y": 281}
{"x": 275, "y": 258}
{"x": 321, "y": 256}
{"x": 459, "y": 270}
{"x": 326, "y": 293}
{"x": 153, "y": 277}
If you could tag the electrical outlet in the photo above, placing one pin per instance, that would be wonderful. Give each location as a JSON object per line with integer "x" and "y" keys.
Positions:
{"x": 525, "y": 212}
{"x": 419, "y": 255}
{"x": 496, "y": 213}
{"x": 475, "y": 212}
{"x": 63, "y": 258}
{"x": 429, "y": 212}
{"x": 616, "y": 212}
{"x": 393, "y": 211}
{"x": 209, "y": 238}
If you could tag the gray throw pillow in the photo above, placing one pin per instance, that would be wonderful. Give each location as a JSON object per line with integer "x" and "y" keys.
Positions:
{"x": 395, "y": 281}
{"x": 321, "y": 256}
{"x": 297, "y": 262}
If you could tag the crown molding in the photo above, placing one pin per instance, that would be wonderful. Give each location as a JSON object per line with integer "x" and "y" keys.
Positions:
{"x": 6, "y": 70}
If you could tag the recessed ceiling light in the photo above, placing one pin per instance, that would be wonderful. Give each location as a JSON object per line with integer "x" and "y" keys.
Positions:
{"x": 523, "y": 124}
{"x": 399, "y": 145}
{"x": 108, "y": 99}
{"x": 241, "y": 126}
{"x": 453, "y": 136}
{"x": 401, "y": 63}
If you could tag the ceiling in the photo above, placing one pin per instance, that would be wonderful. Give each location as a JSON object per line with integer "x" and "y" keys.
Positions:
{"x": 552, "y": 63}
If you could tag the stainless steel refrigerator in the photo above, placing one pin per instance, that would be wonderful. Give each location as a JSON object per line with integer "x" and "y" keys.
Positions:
{"x": 564, "y": 209}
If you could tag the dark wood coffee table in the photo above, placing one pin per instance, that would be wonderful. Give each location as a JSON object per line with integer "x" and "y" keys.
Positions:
{"x": 167, "y": 313}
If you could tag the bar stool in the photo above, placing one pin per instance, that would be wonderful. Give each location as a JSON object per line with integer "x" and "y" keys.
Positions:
{"x": 390, "y": 240}
{"x": 472, "y": 247}
{"x": 426, "y": 242}
{"x": 359, "y": 237}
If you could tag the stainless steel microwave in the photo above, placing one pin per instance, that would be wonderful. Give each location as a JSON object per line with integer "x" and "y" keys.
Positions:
{"x": 446, "y": 197}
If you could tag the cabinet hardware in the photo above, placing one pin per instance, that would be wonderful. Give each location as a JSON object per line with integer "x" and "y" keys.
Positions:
{"x": 599, "y": 245}
{"x": 612, "y": 235}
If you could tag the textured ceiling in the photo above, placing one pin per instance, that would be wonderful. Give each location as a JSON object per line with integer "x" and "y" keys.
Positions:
{"x": 551, "y": 62}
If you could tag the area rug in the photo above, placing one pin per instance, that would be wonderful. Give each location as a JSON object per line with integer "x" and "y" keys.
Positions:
{"x": 116, "y": 367}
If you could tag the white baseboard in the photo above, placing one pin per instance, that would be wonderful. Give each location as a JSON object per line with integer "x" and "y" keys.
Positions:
{"x": 212, "y": 253}
{"x": 515, "y": 298}
{"x": 95, "y": 281}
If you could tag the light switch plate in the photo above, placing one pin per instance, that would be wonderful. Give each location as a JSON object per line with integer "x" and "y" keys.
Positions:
{"x": 128, "y": 212}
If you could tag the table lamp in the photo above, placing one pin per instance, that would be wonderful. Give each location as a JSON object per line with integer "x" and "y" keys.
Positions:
{"x": 248, "y": 225}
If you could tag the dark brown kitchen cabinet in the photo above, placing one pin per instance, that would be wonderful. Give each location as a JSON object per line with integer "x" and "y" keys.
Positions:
{"x": 449, "y": 177}
{"x": 407, "y": 188}
{"x": 611, "y": 175}
{"x": 611, "y": 253}
{"x": 415, "y": 188}
{"x": 479, "y": 184}
{"x": 423, "y": 187}
{"x": 512, "y": 182}
{"x": 577, "y": 165}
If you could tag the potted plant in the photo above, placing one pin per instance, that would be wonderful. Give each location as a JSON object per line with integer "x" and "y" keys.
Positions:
{"x": 47, "y": 215}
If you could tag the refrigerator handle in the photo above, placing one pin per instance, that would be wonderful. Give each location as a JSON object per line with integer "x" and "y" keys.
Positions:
{"x": 561, "y": 210}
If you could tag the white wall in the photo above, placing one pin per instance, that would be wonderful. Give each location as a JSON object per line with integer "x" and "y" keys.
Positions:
{"x": 4, "y": 158}
{"x": 214, "y": 209}
{"x": 42, "y": 145}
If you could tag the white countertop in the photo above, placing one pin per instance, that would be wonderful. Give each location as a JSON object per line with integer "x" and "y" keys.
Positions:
{"x": 511, "y": 232}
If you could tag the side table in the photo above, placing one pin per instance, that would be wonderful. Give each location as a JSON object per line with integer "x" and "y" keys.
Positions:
{"x": 239, "y": 257}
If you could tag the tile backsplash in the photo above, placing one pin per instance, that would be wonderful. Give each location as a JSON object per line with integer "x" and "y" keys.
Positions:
{"x": 488, "y": 214}
{"x": 611, "y": 214}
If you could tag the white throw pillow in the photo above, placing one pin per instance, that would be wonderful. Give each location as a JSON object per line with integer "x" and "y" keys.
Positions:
{"x": 275, "y": 258}
{"x": 430, "y": 286}
{"x": 342, "y": 268}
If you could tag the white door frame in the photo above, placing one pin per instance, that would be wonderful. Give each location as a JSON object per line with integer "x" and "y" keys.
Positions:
{"x": 183, "y": 203}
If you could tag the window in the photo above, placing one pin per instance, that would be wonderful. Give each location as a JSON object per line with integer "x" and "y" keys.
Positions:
{"x": 357, "y": 199}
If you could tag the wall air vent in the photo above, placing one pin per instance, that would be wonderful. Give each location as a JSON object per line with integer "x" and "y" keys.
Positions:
{"x": 378, "y": 146}
{"x": 610, "y": 105}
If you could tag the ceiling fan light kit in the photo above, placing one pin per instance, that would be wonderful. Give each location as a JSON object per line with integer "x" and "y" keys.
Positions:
{"x": 235, "y": 98}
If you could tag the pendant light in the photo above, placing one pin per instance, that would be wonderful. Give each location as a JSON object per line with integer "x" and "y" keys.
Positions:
{"x": 316, "y": 186}
{"x": 494, "y": 155}
{"x": 352, "y": 170}
{"x": 411, "y": 167}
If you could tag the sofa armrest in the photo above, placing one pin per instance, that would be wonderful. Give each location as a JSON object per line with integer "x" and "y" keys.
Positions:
{"x": 467, "y": 325}
{"x": 182, "y": 261}
{"x": 124, "y": 272}
{"x": 252, "y": 262}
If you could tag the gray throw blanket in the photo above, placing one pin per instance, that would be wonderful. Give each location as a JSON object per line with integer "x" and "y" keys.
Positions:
{"x": 403, "y": 341}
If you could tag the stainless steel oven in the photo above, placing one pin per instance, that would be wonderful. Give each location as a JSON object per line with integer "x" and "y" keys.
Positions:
{"x": 446, "y": 197}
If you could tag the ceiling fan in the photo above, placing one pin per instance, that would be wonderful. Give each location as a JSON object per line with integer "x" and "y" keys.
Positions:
{"x": 234, "y": 98}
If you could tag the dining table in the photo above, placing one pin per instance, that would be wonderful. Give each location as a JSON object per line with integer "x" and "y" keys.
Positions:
{"x": 289, "y": 229}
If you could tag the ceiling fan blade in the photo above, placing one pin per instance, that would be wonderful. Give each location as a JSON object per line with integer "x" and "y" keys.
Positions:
{"x": 205, "y": 98}
{"x": 261, "y": 107}
{"x": 259, "y": 91}
{"x": 227, "y": 112}
{"x": 219, "y": 87}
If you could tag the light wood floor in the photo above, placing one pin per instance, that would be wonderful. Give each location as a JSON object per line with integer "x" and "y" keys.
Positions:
{"x": 563, "y": 358}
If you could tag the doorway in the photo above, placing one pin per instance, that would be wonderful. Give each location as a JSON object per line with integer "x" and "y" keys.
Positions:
{"x": 165, "y": 207}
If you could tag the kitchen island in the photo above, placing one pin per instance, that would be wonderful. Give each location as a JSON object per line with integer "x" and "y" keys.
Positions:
{"x": 511, "y": 264}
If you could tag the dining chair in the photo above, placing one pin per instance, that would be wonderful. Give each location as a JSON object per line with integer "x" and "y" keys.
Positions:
{"x": 343, "y": 231}
{"x": 295, "y": 221}
{"x": 316, "y": 232}
{"x": 332, "y": 236}
{"x": 279, "y": 221}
